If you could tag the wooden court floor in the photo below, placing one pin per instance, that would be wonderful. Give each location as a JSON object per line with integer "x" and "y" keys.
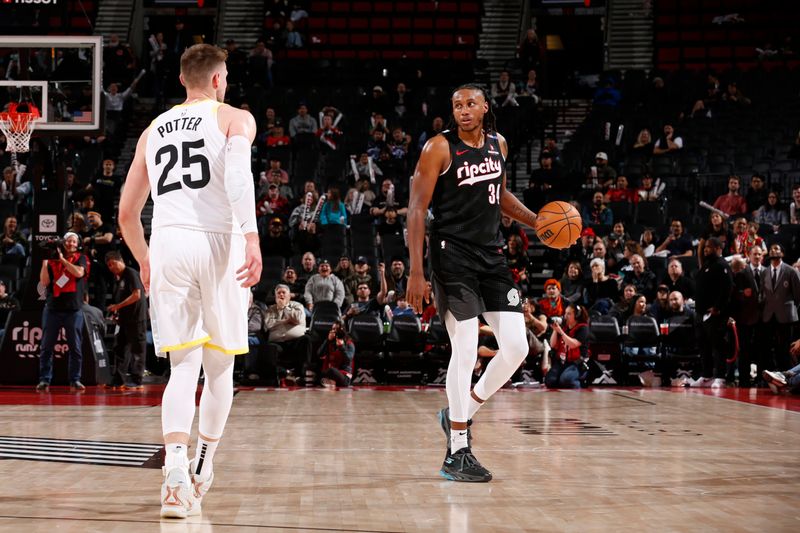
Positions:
{"x": 367, "y": 460}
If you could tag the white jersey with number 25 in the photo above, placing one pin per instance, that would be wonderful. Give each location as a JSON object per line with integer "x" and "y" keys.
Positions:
{"x": 186, "y": 166}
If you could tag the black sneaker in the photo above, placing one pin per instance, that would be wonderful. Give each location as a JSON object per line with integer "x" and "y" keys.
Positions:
{"x": 444, "y": 422}
{"x": 77, "y": 386}
{"x": 463, "y": 466}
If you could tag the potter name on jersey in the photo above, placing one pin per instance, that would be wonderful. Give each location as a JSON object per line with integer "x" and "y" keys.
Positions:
{"x": 183, "y": 123}
{"x": 471, "y": 174}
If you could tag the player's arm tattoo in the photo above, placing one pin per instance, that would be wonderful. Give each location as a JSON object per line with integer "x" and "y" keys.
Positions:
{"x": 512, "y": 207}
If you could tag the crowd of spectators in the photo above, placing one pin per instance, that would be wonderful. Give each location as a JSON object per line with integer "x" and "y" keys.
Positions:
{"x": 332, "y": 187}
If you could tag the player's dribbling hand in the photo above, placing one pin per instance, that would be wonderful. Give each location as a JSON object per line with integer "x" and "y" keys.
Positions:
{"x": 415, "y": 290}
{"x": 250, "y": 272}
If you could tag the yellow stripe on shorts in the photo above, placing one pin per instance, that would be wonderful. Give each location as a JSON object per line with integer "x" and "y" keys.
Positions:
{"x": 185, "y": 345}
{"x": 234, "y": 351}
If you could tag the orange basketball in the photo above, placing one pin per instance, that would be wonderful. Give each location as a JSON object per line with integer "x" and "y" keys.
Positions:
{"x": 558, "y": 225}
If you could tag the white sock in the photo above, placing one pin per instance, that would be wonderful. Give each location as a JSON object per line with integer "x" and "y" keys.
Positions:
{"x": 458, "y": 439}
{"x": 176, "y": 455}
{"x": 203, "y": 459}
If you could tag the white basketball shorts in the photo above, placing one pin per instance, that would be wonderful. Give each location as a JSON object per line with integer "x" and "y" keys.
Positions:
{"x": 194, "y": 296}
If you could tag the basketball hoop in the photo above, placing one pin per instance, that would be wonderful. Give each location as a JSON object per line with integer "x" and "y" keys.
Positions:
{"x": 18, "y": 126}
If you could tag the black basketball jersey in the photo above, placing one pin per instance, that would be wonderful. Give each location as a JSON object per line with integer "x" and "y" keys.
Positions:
{"x": 466, "y": 199}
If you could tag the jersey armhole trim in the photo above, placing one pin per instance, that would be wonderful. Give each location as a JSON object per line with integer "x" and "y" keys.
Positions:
{"x": 442, "y": 173}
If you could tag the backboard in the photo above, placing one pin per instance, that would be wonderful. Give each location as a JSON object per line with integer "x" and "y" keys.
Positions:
{"x": 61, "y": 75}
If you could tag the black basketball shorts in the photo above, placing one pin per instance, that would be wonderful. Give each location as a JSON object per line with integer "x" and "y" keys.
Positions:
{"x": 469, "y": 280}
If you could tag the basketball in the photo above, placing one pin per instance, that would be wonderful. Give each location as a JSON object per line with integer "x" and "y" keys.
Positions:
{"x": 558, "y": 225}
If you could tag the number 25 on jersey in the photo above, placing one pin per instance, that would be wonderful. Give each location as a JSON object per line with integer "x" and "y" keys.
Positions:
{"x": 187, "y": 160}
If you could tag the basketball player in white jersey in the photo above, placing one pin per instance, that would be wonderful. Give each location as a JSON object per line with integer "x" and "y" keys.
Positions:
{"x": 203, "y": 257}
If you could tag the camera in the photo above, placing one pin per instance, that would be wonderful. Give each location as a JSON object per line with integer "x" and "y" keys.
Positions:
{"x": 554, "y": 320}
{"x": 52, "y": 247}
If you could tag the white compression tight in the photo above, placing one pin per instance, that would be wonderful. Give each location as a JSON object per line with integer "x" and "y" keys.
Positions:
{"x": 509, "y": 330}
{"x": 512, "y": 342}
{"x": 177, "y": 406}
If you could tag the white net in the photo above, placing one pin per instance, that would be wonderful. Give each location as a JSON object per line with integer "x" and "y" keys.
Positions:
{"x": 17, "y": 128}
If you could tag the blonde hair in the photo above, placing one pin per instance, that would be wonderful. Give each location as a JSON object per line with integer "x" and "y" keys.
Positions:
{"x": 199, "y": 62}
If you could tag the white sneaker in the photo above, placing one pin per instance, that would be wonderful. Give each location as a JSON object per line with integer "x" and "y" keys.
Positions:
{"x": 177, "y": 494}
{"x": 702, "y": 383}
{"x": 682, "y": 381}
{"x": 200, "y": 488}
{"x": 718, "y": 383}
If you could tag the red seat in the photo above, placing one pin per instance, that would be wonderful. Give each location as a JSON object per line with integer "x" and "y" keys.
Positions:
{"x": 381, "y": 39}
{"x": 404, "y": 7}
{"x": 340, "y": 8}
{"x": 694, "y": 52}
{"x": 380, "y": 23}
{"x": 415, "y": 54}
{"x": 344, "y": 54}
{"x": 448, "y": 7}
{"x": 361, "y": 39}
{"x": 423, "y": 23}
{"x": 367, "y": 54}
{"x": 439, "y": 54}
{"x": 668, "y": 55}
{"x": 319, "y": 6}
{"x": 294, "y": 53}
{"x": 468, "y": 24}
{"x": 719, "y": 52}
{"x": 423, "y": 39}
{"x": 382, "y": 7}
{"x": 314, "y": 24}
{"x": 392, "y": 54}
{"x": 402, "y": 23}
{"x": 337, "y": 23}
{"x": 445, "y": 24}
{"x": 402, "y": 39}
{"x": 443, "y": 39}
{"x": 337, "y": 39}
{"x": 362, "y": 7}
{"x": 359, "y": 23}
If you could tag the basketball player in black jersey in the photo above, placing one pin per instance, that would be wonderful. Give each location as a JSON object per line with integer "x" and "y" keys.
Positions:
{"x": 461, "y": 175}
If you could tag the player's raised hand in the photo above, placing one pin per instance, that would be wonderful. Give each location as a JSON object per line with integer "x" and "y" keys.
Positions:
{"x": 250, "y": 272}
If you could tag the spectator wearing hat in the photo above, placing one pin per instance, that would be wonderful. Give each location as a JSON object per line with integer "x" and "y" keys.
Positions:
{"x": 606, "y": 174}
{"x": 676, "y": 280}
{"x": 63, "y": 278}
{"x": 273, "y": 204}
{"x": 7, "y": 304}
{"x": 378, "y": 103}
{"x": 552, "y": 304}
{"x": 363, "y": 302}
{"x": 732, "y": 203}
{"x": 669, "y": 142}
{"x": 344, "y": 269}
{"x": 660, "y": 309}
{"x": 275, "y": 242}
{"x": 398, "y": 279}
{"x": 583, "y": 249}
{"x": 677, "y": 243}
{"x": 360, "y": 275}
{"x": 324, "y": 286}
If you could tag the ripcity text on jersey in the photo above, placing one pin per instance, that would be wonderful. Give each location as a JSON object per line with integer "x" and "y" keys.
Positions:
{"x": 185, "y": 158}
{"x": 466, "y": 199}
